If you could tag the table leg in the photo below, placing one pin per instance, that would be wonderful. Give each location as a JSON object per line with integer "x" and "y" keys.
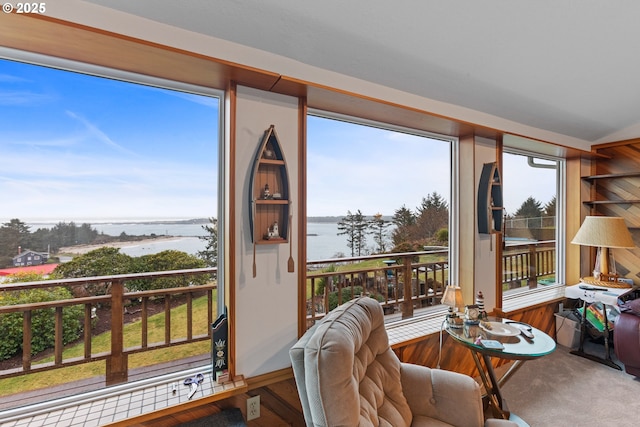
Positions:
{"x": 490, "y": 385}
{"x": 606, "y": 336}
{"x": 580, "y": 351}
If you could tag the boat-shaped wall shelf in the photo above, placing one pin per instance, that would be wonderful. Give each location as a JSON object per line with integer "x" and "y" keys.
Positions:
{"x": 489, "y": 203}
{"x": 269, "y": 193}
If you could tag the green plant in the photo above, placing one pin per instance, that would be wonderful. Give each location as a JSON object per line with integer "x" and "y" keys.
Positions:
{"x": 42, "y": 321}
{"x": 166, "y": 261}
{"x": 442, "y": 235}
{"x": 322, "y": 282}
{"x": 349, "y": 293}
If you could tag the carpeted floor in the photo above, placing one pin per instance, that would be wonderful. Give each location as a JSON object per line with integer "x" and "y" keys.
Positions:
{"x": 562, "y": 389}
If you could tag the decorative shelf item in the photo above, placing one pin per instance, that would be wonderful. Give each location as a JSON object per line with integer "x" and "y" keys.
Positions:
{"x": 269, "y": 193}
{"x": 490, "y": 204}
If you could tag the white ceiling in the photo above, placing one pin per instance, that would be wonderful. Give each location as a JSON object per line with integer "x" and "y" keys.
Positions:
{"x": 566, "y": 66}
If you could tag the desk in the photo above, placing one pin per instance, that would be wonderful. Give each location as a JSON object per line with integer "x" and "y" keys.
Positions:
{"x": 516, "y": 348}
{"x": 610, "y": 297}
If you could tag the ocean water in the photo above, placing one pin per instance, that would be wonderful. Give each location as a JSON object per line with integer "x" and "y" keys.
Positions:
{"x": 323, "y": 241}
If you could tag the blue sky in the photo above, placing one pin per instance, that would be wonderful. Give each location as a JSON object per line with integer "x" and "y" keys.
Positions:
{"x": 77, "y": 147}
{"x": 353, "y": 167}
{"x": 377, "y": 170}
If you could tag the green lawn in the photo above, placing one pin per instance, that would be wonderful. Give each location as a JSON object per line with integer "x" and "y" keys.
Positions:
{"x": 132, "y": 337}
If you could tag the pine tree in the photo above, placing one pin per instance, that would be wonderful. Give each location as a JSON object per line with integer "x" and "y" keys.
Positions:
{"x": 433, "y": 215}
{"x": 379, "y": 230}
{"x": 530, "y": 208}
{"x": 550, "y": 208}
{"x": 210, "y": 253}
{"x": 354, "y": 226}
{"x": 404, "y": 220}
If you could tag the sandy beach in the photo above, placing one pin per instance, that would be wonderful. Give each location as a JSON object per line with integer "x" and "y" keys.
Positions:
{"x": 83, "y": 249}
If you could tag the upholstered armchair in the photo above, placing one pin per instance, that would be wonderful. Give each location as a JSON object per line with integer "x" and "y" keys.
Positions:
{"x": 626, "y": 337}
{"x": 347, "y": 375}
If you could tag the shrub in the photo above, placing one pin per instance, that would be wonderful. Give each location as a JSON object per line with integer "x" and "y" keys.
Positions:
{"x": 322, "y": 282}
{"x": 347, "y": 295}
{"x": 166, "y": 261}
{"x": 442, "y": 235}
{"x": 408, "y": 247}
{"x": 42, "y": 321}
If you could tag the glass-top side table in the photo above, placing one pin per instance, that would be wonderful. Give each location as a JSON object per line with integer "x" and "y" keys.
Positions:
{"x": 515, "y": 346}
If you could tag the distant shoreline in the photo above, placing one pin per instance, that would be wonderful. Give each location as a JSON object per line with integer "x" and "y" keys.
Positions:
{"x": 83, "y": 249}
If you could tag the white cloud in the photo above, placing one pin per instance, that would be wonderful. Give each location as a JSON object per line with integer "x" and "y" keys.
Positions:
{"x": 99, "y": 134}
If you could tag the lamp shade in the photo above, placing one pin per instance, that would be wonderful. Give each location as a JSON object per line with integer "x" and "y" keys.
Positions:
{"x": 452, "y": 296}
{"x": 604, "y": 231}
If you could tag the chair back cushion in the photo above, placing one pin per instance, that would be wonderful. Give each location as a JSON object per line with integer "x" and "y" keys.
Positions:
{"x": 351, "y": 375}
{"x": 297, "y": 362}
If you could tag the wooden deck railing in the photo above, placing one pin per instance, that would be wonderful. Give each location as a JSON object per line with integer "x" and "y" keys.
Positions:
{"x": 333, "y": 281}
{"x": 527, "y": 262}
{"x": 117, "y": 357}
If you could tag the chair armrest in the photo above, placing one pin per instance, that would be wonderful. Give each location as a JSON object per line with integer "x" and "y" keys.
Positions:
{"x": 626, "y": 342}
{"x": 444, "y": 395}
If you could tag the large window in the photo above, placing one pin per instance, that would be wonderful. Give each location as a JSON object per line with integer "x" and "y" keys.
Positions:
{"x": 532, "y": 262}
{"x": 375, "y": 191}
{"x": 94, "y": 159}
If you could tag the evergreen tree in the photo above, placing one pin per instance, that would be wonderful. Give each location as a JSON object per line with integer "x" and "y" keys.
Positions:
{"x": 530, "y": 208}
{"x": 210, "y": 253}
{"x": 404, "y": 220}
{"x": 433, "y": 215}
{"x": 379, "y": 230}
{"x": 550, "y": 207}
{"x": 354, "y": 227}
{"x": 13, "y": 235}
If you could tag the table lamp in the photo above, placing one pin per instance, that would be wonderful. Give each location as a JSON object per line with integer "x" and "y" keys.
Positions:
{"x": 452, "y": 297}
{"x": 604, "y": 232}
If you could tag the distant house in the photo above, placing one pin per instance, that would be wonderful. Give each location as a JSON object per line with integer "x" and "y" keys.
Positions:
{"x": 28, "y": 257}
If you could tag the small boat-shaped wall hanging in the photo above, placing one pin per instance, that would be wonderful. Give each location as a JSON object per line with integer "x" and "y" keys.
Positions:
{"x": 490, "y": 200}
{"x": 269, "y": 194}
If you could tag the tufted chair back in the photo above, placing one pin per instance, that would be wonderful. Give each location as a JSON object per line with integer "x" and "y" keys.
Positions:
{"x": 347, "y": 375}
{"x": 351, "y": 375}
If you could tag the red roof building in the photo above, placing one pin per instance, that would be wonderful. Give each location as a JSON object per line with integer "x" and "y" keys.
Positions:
{"x": 38, "y": 269}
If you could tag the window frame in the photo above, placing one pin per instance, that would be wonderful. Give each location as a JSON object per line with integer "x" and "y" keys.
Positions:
{"x": 531, "y": 297}
{"x": 453, "y": 195}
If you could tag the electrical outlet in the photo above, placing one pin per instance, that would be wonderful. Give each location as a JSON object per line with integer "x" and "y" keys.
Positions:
{"x": 253, "y": 408}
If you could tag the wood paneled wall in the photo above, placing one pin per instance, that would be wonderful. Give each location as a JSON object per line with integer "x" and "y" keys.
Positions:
{"x": 620, "y": 158}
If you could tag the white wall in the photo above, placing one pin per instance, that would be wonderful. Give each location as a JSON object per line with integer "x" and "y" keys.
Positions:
{"x": 485, "y": 244}
{"x": 266, "y": 306}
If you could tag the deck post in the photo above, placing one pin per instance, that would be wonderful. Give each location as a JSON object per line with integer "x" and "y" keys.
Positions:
{"x": 532, "y": 276}
{"x": 117, "y": 369}
{"x": 407, "y": 305}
